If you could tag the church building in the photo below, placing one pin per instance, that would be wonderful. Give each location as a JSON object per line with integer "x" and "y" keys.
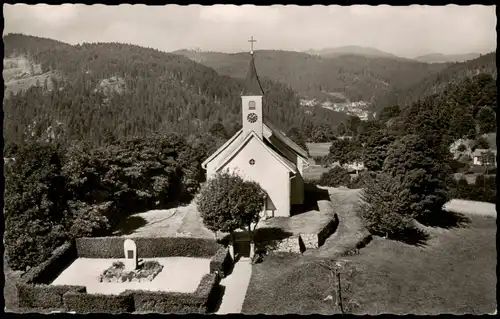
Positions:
{"x": 261, "y": 152}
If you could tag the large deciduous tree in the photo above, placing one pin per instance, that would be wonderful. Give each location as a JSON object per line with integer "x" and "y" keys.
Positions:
{"x": 335, "y": 177}
{"x": 227, "y": 203}
{"x": 345, "y": 151}
{"x": 35, "y": 207}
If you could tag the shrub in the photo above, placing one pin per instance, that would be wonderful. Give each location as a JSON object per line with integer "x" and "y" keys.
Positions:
{"x": 384, "y": 207}
{"x": 116, "y": 273}
{"x": 484, "y": 189}
{"x": 112, "y": 247}
{"x": 221, "y": 262}
{"x": 48, "y": 270}
{"x": 44, "y": 296}
{"x": 88, "y": 303}
{"x": 118, "y": 265}
{"x": 361, "y": 180}
{"x": 458, "y": 166}
{"x": 335, "y": 177}
{"x": 461, "y": 148}
{"x": 174, "y": 302}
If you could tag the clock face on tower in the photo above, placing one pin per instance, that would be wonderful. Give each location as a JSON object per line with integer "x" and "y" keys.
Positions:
{"x": 252, "y": 117}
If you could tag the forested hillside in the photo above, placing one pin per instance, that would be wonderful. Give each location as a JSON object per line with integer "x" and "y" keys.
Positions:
{"x": 98, "y": 92}
{"x": 358, "y": 77}
{"x": 350, "y": 50}
{"x": 436, "y": 83}
{"x": 441, "y": 58}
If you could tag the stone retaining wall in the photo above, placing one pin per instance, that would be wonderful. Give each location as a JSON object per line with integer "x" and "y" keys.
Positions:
{"x": 292, "y": 244}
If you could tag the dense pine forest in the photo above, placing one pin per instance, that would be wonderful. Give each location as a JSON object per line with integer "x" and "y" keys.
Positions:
{"x": 437, "y": 82}
{"x": 97, "y": 92}
{"x": 355, "y": 76}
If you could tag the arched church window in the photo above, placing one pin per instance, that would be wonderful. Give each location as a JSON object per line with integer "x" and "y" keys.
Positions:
{"x": 251, "y": 105}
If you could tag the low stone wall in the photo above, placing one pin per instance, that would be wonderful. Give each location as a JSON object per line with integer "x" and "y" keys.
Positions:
{"x": 313, "y": 241}
{"x": 310, "y": 240}
{"x": 329, "y": 229}
{"x": 292, "y": 244}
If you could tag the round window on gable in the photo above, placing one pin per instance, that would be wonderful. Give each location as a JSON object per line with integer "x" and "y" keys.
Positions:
{"x": 251, "y": 162}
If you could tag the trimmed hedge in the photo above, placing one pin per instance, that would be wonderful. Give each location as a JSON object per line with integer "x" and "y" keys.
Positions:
{"x": 44, "y": 296}
{"x": 87, "y": 303}
{"x": 112, "y": 247}
{"x": 221, "y": 262}
{"x": 47, "y": 271}
{"x": 174, "y": 302}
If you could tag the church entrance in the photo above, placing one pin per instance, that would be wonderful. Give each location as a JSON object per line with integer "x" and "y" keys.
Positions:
{"x": 241, "y": 245}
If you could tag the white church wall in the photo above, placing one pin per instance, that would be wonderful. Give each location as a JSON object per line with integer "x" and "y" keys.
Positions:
{"x": 267, "y": 171}
{"x": 297, "y": 183}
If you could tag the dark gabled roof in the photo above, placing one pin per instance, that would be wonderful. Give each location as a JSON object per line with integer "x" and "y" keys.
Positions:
{"x": 286, "y": 140}
{"x": 252, "y": 84}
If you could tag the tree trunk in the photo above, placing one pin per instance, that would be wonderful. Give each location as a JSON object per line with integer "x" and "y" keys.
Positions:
{"x": 231, "y": 245}
{"x": 252, "y": 244}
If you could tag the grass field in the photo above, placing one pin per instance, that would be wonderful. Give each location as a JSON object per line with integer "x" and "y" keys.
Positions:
{"x": 318, "y": 149}
{"x": 453, "y": 273}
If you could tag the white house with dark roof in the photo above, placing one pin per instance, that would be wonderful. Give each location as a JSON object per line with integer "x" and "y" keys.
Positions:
{"x": 262, "y": 153}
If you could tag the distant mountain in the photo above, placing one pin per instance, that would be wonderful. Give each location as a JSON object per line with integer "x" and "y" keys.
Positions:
{"x": 99, "y": 91}
{"x": 352, "y": 50}
{"x": 437, "y": 82}
{"x": 442, "y": 58}
{"x": 358, "y": 78}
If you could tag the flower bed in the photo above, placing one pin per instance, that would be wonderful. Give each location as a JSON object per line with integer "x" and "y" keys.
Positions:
{"x": 145, "y": 272}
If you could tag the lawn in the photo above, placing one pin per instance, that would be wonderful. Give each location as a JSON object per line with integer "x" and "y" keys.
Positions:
{"x": 181, "y": 220}
{"x": 318, "y": 149}
{"x": 314, "y": 172}
{"x": 453, "y": 272}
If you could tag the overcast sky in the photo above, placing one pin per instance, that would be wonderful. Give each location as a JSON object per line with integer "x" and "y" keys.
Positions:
{"x": 405, "y": 31}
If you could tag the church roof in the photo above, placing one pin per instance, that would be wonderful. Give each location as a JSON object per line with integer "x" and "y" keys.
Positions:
{"x": 225, "y": 146}
{"x": 242, "y": 142}
{"x": 286, "y": 140}
{"x": 252, "y": 83}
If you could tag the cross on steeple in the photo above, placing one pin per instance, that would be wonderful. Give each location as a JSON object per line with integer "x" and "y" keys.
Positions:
{"x": 251, "y": 43}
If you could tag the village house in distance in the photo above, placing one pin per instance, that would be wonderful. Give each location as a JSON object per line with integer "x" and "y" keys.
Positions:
{"x": 262, "y": 153}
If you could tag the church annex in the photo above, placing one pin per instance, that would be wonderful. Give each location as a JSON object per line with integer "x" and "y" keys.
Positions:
{"x": 262, "y": 153}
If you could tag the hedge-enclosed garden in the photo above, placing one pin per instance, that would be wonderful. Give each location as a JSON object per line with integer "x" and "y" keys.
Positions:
{"x": 36, "y": 292}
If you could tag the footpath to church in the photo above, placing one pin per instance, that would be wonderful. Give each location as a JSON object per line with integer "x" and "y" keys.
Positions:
{"x": 236, "y": 285}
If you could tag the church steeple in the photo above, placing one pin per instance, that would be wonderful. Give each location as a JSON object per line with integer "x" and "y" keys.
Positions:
{"x": 252, "y": 83}
{"x": 251, "y": 99}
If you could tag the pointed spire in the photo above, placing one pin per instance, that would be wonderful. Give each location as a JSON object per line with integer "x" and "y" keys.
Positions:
{"x": 252, "y": 84}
